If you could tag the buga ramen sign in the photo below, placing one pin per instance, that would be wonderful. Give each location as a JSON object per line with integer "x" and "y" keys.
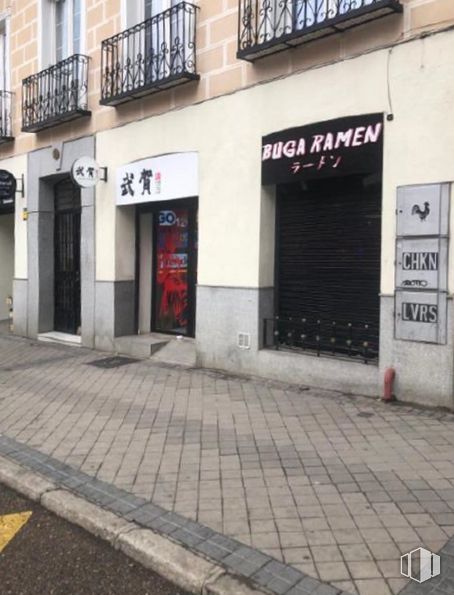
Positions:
{"x": 332, "y": 148}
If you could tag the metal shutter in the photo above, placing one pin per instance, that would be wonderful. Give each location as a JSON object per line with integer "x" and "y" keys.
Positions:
{"x": 328, "y": 257}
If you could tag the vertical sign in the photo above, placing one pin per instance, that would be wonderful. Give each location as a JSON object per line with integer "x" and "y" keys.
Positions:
{"x": 7, "y": 191}
{"x": 422, "y": 263}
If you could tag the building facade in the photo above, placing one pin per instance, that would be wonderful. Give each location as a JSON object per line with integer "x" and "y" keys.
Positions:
{"x": 272, "y": 179}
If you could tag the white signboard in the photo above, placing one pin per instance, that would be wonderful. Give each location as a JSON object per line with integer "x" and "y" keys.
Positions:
{"x": 167, "y": 177}
{"x": 421, "y": 316}
{"x": 422, "y": 263}
{"x": 85, "y": 172}
{"x": 423, "y": 210}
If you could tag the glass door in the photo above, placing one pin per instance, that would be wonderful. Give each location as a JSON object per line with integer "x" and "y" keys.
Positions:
{"x": 175, "y": 243}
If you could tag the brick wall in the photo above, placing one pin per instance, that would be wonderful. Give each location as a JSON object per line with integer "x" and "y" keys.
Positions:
{"x": 221, "y": 72}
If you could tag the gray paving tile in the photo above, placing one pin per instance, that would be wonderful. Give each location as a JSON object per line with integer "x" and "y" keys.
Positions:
{"x": 154, "y": 432}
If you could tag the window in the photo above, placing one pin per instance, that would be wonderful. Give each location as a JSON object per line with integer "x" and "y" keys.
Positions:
{"x": 165, "y": 41}
{"x": 4, "y": 55}
{"x": 61, "y": 30}
{"x": 137, "y": 11}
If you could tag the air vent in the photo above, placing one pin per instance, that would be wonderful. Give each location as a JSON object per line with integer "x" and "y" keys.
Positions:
{"x": 244, "y": 340}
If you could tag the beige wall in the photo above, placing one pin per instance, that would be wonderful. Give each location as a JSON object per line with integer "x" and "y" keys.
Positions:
{"x": 18, "y": 167}
{"x": 7, "y": 259}
{"x": 218, "y": 66}
{"x": 235, "y": 215}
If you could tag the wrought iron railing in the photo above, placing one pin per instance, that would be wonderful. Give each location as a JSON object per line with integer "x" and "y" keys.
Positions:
{"x": 154, "y": 55}
{"x": 55, "y": 95}
{"x": 267, "y": 26}
{"x": 353, "y": 341}
{"x": 6, "y": 125}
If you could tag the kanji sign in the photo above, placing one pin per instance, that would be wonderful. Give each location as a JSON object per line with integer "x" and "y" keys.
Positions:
{"x": 167, "y": 177}
{"x": 85, "y": 172}
{"x": 332, "y": 148}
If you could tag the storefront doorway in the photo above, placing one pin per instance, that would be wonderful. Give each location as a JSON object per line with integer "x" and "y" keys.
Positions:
{"x": 168, "y": 267}
{"x": 328, "y": 182}
{"x": 67, "y": 289}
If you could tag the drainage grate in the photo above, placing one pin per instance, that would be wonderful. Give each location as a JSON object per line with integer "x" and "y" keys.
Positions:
{"x": 112, "y": 362}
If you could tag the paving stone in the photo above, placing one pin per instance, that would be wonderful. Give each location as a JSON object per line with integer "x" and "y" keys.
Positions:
{"x": 372, "y": 587}
{"x": 277, "y": 577}
{"x": 332, "y": 571}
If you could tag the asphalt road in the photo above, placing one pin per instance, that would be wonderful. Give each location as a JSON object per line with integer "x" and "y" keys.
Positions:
{"x": 50, "y": 556}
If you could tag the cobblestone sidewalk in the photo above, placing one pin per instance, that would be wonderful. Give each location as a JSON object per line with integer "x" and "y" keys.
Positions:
{"x": 336, "y": 486}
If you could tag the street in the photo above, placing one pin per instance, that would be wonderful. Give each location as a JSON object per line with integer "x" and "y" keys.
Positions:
{"x": 49, "y": 556}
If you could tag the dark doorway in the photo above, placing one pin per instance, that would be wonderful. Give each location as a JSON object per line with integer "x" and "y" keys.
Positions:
{"x": 67, "y": 257}
{"x": 328, "y": 264}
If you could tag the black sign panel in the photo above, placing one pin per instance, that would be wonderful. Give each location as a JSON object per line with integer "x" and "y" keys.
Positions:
{"x": 333, "y": 148}
{"x": 420, "y": 261}
{"x": 412, "y": 312}
{"x": 7, "y": 191}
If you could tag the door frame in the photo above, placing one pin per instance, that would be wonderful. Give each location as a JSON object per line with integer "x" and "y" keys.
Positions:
{"x": 192, "y": 204}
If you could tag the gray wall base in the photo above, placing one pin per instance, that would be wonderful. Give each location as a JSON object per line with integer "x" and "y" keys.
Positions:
{"x": 20, "y": 302}
{"x": 223, "y": 312}
{"x": 114, "y": 312}
{"x": 424, "y": 371}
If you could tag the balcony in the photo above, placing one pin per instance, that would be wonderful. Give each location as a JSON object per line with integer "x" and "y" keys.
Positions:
{"x": 157, "y": 54}
{"x": 6, "y": 128}
{"x": 55, "y": 95}
{"x": 269, "y": 26}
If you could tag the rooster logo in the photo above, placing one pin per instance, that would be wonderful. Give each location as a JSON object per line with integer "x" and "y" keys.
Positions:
{"x": 416, "y": 210}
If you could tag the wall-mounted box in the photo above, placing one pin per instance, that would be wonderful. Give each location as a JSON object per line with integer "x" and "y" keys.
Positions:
{"x": 421, "y": 316}
{"x": 422, "y": 263}
{"x": 423, "y": 210}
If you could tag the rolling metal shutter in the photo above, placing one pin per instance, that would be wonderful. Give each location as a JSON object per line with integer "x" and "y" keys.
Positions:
{"x": 328, "y": 255}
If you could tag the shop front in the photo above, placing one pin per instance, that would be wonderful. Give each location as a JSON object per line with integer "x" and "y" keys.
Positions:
{"x": 164, "y": 191}
{"x": 328, "y": 187}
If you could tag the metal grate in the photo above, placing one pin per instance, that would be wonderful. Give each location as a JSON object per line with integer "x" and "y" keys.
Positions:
{"x": 67, "y": 272}
{"x": 157, "y": 54}
{"x": 55, "y": 95}
{"x": 115, "y": 361}
{"x": 269, "y": 26}
{"x": 354, "y": 342}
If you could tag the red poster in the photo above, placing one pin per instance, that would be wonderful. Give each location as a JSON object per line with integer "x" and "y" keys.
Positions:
{"x": 172, "y": 271}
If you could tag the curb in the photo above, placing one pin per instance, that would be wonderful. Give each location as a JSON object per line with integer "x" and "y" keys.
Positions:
{"x": 173, "y": 562}
{"x": 187, "y": 553}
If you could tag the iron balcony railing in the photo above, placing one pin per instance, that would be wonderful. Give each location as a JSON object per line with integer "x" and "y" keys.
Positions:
{"x": 351, "y": 341}
{"x": 6, "y": 126}
{"x": 157, "y": 54}
{"x": 55, "y": 95}
{"x": 269, "y": 26}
